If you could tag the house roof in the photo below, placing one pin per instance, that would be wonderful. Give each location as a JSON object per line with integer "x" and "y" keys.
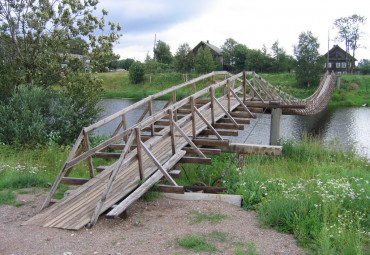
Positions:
{"x": 215, "y": 49}
{"x": 337, "y": 53}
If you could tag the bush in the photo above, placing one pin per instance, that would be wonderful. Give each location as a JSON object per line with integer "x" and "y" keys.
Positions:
{"x": 34, "y": 115}
{"x": 137, "y": 71}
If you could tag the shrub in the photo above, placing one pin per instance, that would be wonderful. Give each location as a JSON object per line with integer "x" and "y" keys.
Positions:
{"x": 137, "y": 71}
{"x": 35, "y": 115}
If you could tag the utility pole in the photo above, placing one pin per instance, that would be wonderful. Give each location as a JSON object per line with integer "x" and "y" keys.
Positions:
{"x": 155, "y": 41}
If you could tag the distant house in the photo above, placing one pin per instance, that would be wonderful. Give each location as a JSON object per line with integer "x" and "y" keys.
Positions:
{"x": 215, "y": 51}
{"x": 339, "y": 60}
{"x": 85, "y": 60}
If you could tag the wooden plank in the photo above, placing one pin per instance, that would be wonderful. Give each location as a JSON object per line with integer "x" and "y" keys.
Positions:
{"x": 121, "y": 207}
{"x": 107, "y": 155}
{"x": 175, "y": 173}
{"x": 206, "y": 189}
{"x": 184, "y": 111}
{"x": 189, "y": 140}
{"x": 231, "y": 199}
{"x": 139, "y": 153}
{"x": 100, "y": 169}
{"x": 249, "y": 149}
{"x": 208, "y": 124}
{"x": 74, "y": 181}
{"x": 170, "y": 189}
{"x": 156, "y": 129}
{"x": 210, "y": 142}
{"x": 193, "y": 160}
{"x": 240, "y": 115}
{"x": 239, "y": 121}
{"x": 221, "y": 132}
{"x": 206, "y": 151}
{"x": 162, "y": 123}
{"x": 228, "y": 126}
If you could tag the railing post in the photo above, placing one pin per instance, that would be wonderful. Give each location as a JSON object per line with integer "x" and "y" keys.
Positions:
{"x": 192, "y": 103}
{"x": 89, "y": 159}
{"x": 151, "y": 114}
{"x": 174, "y": 102}
{"x": 139, "y": 152}
{"x": 212, "y": 92}
{"x": 172, "y": 133}
{"x": 124, "y": 127}
{"x": 228, "y": 96}
{"x": 244, "y": 86}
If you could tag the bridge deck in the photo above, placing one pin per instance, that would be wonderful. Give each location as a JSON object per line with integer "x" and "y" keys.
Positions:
{"x": 75, "y": 211}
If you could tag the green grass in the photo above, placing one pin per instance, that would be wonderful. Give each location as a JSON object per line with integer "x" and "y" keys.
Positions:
{"x": 196, "y": 243}
{"x": 316, "y": 192}
{"x": 213, "y": 217}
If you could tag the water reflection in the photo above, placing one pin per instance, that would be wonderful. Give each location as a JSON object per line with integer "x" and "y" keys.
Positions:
{"x": 348, "y": 126}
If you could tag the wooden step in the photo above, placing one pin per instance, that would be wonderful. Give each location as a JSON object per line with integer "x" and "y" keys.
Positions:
{"x": 205, "y": 151}
{"x": 228, "y": 126}
{"x": 220, "y": 132}
{"x": 210, "y": 142}
{"x": 194, "y": 160}
{"x": 239, "y": 121}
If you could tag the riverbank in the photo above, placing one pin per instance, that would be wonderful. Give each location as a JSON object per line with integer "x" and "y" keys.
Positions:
{"x": 318, "y": 194}
{"x": 354, "y": 89}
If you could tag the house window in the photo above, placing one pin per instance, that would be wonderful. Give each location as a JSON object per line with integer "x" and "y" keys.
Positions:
{"x": 339, "y": 72}
{"x": 343, "y": 64}
{"x": 337, "y": 65}
{"x": 330, "y": 65}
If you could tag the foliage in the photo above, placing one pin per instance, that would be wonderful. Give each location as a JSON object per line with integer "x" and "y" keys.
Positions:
{"x": 137, "y": 71}
{"x": 364, "y": 66}
{"x": 184, "y": 59}
{"x": 162, "y": 53}
{"x": 281, "y": 61}
{"x": 309, "y": 61}
{"x": 318, "y": 194}
{"x": 204, "y": 62}
{"x": 196, "y": 243}
{"x": 349, "y": 31}
{"x": 228, "y": 49}
{"x": 36, "y": 37}
{"x": 36, "y": 115}
{"x": 123, "y": 64}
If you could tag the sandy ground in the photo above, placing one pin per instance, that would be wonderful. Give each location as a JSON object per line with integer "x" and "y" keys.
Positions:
{"x": 151, "y": 228}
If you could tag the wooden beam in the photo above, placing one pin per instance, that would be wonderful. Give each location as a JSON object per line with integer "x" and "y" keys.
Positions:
{"x": 170, "y": 189}
{"x": 74, "y": 181}
{"x": 240, "y": 115}
{"x": 107, "y": 155}
{"x": 194, "y": 160}
{"x": 206, "y": 189}
{"x": 221, "y": 132}
{"x": 210, "y": 142}
{"x": 248, "y": 149}
{"x": 162, "y": 123}
{"x": 175, "y": 173}
{"x": 156, "y": 129}
{"x": 189, "y": 140}
{"x": 139, "y": 153}
{"x": 206, "y": 151}
{"x": 100, "y": 169}
{"x": 228, "y": 126}
{"x": 136, "y": 194}
{"x": 239, "y": 121}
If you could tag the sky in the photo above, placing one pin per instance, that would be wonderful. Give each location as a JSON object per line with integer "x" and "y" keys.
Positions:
{"x": 253, "y": 23}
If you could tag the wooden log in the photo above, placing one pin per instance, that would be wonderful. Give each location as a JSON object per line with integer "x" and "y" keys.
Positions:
{"x": 231, "y": 199}
{"x": 206, "y": 151}
{"x": 170, "y": 189}
{"x": 189, "y": 140}
{"x": 248, "y": 149}
{"x": 107, "y": 155}
{"x": 208, "y": 124}
{"x": 221, "y": 132}
{"x": 228, "y": 126}
{"x": 211, "y": 142}
{"x": 139, "y": 153}
{"x": 136, "y": 194}
{"x": 175, "y": 173}
{"x": 156, "y": 129}
{"x": 74, "y": 181}
{"x": 194, "y": 160}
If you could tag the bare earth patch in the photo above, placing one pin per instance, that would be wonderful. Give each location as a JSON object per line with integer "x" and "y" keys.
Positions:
{"x": 151, "y": 228}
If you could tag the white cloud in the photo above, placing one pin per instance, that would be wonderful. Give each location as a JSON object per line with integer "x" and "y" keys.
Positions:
{"x": 252, "y": 23}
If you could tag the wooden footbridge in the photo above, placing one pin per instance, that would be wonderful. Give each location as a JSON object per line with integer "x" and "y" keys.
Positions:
{"x": 184, "y": 131}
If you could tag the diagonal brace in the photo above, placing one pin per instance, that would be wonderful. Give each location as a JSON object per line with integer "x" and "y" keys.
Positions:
{"x": 208, "y": 124}
{"x": 226, "y": 112}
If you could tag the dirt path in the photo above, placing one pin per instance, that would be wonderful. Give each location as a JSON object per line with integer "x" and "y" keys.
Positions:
{"x": 151, "y": 228}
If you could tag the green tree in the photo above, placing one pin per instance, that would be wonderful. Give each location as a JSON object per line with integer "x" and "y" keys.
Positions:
{"x": 239, "y": 57}
{"x": 349, "y": 32}
{"x": 309, "y": 61}
{"x": 228, "y": 52}
{"x": 36, "y": 37}
{"x": 184, "y": 59}
{"x": 137, "y": 72}
{"x": 280, "y": 61}
{"x": 204, "y": 61}
{"x": 162, "y": 53}
{"x": 364, "y": 66}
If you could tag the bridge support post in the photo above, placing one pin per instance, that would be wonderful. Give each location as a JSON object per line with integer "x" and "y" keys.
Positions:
{"x": 275, "y": 126}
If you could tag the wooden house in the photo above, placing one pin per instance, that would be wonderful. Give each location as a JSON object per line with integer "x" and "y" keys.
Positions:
{"x": 215, "y": 51}
{"x": 339, "y": 61}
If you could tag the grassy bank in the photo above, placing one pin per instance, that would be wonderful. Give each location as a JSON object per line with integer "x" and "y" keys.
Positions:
{"x": 354, "y": 91}
{"x": 318, "y": 194}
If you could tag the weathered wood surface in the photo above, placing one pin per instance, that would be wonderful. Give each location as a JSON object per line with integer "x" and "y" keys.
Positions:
{"x": 75, "y": 211}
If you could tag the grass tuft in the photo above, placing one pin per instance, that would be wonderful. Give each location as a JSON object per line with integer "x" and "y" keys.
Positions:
{"x": 196, "y": 243}
{"x": 213, "y": 217}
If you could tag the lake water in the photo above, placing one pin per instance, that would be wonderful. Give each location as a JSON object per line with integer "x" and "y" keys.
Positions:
{"x": 347, "y": 126}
